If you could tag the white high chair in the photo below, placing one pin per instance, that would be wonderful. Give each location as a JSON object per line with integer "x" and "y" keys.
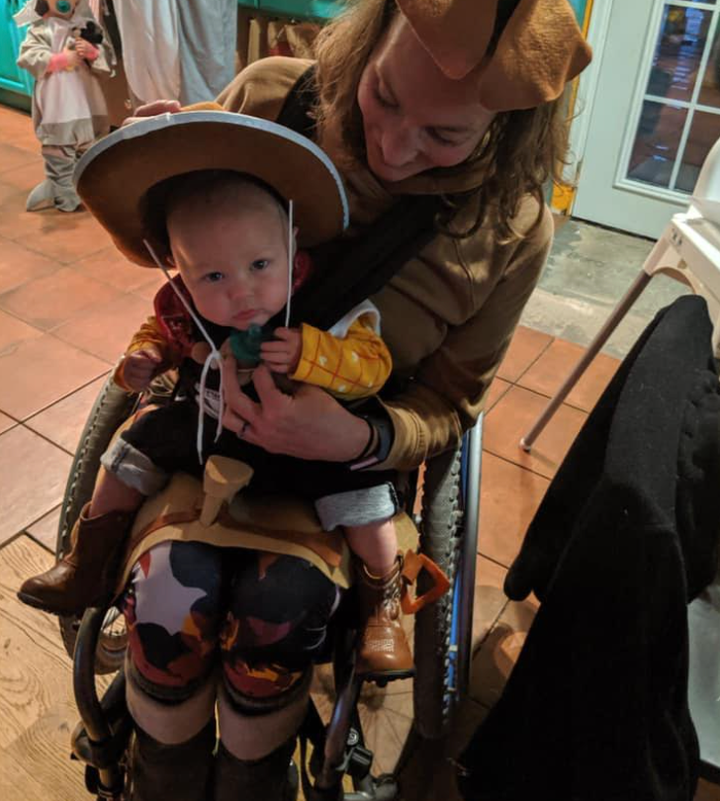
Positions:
{"x": 689, "y": 251}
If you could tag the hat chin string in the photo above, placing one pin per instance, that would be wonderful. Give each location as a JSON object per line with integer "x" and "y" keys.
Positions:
{"x": 214, "y": 359}
{"x": 291, "y": 257}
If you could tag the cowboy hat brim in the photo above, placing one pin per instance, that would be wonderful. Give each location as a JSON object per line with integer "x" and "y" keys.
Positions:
{"x": 113, "y": 177}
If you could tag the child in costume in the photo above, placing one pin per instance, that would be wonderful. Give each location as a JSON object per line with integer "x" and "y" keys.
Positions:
{"x": 68, "y": 106}
{"x": 230, "y": 234}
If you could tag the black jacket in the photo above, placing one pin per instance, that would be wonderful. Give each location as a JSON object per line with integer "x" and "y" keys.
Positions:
{"x": 596, "y": 707}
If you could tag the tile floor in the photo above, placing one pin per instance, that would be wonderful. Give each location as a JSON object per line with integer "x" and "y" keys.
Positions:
{"x": 68, "y": 303}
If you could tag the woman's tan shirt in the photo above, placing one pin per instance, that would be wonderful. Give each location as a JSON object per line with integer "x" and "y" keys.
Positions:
{"x": 448, "y": 315}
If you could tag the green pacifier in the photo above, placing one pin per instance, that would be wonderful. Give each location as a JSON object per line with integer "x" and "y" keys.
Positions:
{"x": 245, "y": 345}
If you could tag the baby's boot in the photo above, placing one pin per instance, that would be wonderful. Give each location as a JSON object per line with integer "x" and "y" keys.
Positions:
{"x": 86, "y": 575}
{"x": 384, "y": 651}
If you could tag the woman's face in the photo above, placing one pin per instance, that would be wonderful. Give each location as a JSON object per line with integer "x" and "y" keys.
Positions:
{"x": 414, "y": 117}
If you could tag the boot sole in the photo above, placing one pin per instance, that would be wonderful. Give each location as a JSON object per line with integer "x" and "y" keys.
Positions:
{"x": 30, "y": 600}
{"x": 381, "y": 678}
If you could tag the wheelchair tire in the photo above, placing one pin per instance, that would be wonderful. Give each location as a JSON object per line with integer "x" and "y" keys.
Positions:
{"x": 440, "y": 539}
{"x": 111, "y": 408}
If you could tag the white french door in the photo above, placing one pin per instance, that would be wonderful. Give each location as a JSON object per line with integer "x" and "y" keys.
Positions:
{"x": 655, "y": 112}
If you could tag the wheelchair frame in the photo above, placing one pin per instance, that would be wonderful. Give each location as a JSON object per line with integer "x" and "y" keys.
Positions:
{"x": 443, "y": 632}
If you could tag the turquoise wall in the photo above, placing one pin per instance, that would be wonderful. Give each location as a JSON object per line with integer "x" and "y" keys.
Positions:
{"x": 579, "y": 8}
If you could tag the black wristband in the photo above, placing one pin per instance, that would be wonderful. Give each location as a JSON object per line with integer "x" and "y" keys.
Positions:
{"x": 384, "y": 436}
{"x": 370, "y": 444}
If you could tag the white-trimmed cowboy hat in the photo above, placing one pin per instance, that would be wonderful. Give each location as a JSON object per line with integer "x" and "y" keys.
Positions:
{"x": 115, "y": 174}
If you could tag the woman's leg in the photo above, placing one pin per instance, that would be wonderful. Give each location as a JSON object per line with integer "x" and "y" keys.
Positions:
{"x": 276, "y": 628}
{"x": 174, "y": 608}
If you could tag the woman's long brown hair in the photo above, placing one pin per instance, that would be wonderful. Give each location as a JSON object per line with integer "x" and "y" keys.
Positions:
{"x": 521, "y": 152}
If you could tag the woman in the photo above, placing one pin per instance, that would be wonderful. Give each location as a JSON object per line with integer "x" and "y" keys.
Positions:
{"x": 457, "y": 99}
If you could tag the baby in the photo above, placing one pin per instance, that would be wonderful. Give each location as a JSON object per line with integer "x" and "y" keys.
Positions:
{"x": 229, "y": 237}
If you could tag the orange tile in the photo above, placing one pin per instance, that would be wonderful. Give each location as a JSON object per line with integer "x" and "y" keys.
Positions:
{"x": 489, "y": 599}
{"x": 33, "y": 473}
{"x": 22, "y": 180}
{"x": 106, "y": 330}
{"x": 19, "y": 265}
{"x": 511, "y": 419}
{"x": 6, "y": 422}
{"x": 11, "y": 156}
{"x": 60, "y": 236}
{"x": 45, "y": 530}
{"x": 110, "y": 266}
{"x": 13, "y": 332}
{"x": 149, "y": 289}
{"x": 509, "y": 498}
{"x": 497, "y": 389}
{"x": 556, "y": 363}
{"x": 63, "y": 422}
{"x": 526, "y": 346}
{"x": 51, "y": 300}
{"x": 17, "y": 127}
{"x": 498, "y": 654}
{"x": 39, "y": 372}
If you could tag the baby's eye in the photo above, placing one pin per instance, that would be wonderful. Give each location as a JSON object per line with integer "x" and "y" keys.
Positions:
{"x": 260, "y": 264}
{"x": 213, "y": 278}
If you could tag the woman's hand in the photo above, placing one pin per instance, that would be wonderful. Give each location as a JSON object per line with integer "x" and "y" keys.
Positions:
{"x": 153, "y": 109}
{"x": 308, "y": 425}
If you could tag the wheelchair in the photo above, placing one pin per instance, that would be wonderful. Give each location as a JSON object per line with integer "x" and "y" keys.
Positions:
{"x": 447, "y": 524}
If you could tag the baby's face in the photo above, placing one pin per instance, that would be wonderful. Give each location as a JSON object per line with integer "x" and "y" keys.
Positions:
{"x": 233, "y": 259}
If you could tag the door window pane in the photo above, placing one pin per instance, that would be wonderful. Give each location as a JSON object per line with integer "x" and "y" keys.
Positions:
{"x": 704, "y": 131}
{"x": 656, "y": 143}
{"x": 710, "y": 88}
{"x": 679, "y": 50}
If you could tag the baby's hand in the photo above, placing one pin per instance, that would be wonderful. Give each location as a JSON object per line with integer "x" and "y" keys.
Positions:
{"x": 283, "y": 354}
{"x": 86, "y": 50}
{"x": 140, "y": 367}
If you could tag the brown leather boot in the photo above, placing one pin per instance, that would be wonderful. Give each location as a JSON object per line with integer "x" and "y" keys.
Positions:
{"x": 384, "y": 651}
{"x": 181, "y": 772}
{"x": 86, "y": 575}
{"x": 272, "y": 778}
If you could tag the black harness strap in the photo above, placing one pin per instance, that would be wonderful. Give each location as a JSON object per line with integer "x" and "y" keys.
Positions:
{"x": 351, "y": 269}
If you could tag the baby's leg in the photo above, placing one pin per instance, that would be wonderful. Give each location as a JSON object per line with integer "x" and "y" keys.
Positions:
{"x": 365, "y": 510}
{"x": 375, "y": 545}
{"x": 86, "y": 576}
{"x": 111, "y": 494}
{"x": 383, "y": 648}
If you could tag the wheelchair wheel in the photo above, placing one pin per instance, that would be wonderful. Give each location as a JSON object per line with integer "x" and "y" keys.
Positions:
{"x": 112, "y": 406}
{"x": 440, "y": 539}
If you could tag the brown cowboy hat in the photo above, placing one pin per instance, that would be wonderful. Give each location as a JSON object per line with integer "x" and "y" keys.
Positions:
{"x": 115, "y": 174}
{"x": 539, "y": 50}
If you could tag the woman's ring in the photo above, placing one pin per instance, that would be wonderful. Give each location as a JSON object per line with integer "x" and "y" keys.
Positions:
{"x": 243, "y": 429}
